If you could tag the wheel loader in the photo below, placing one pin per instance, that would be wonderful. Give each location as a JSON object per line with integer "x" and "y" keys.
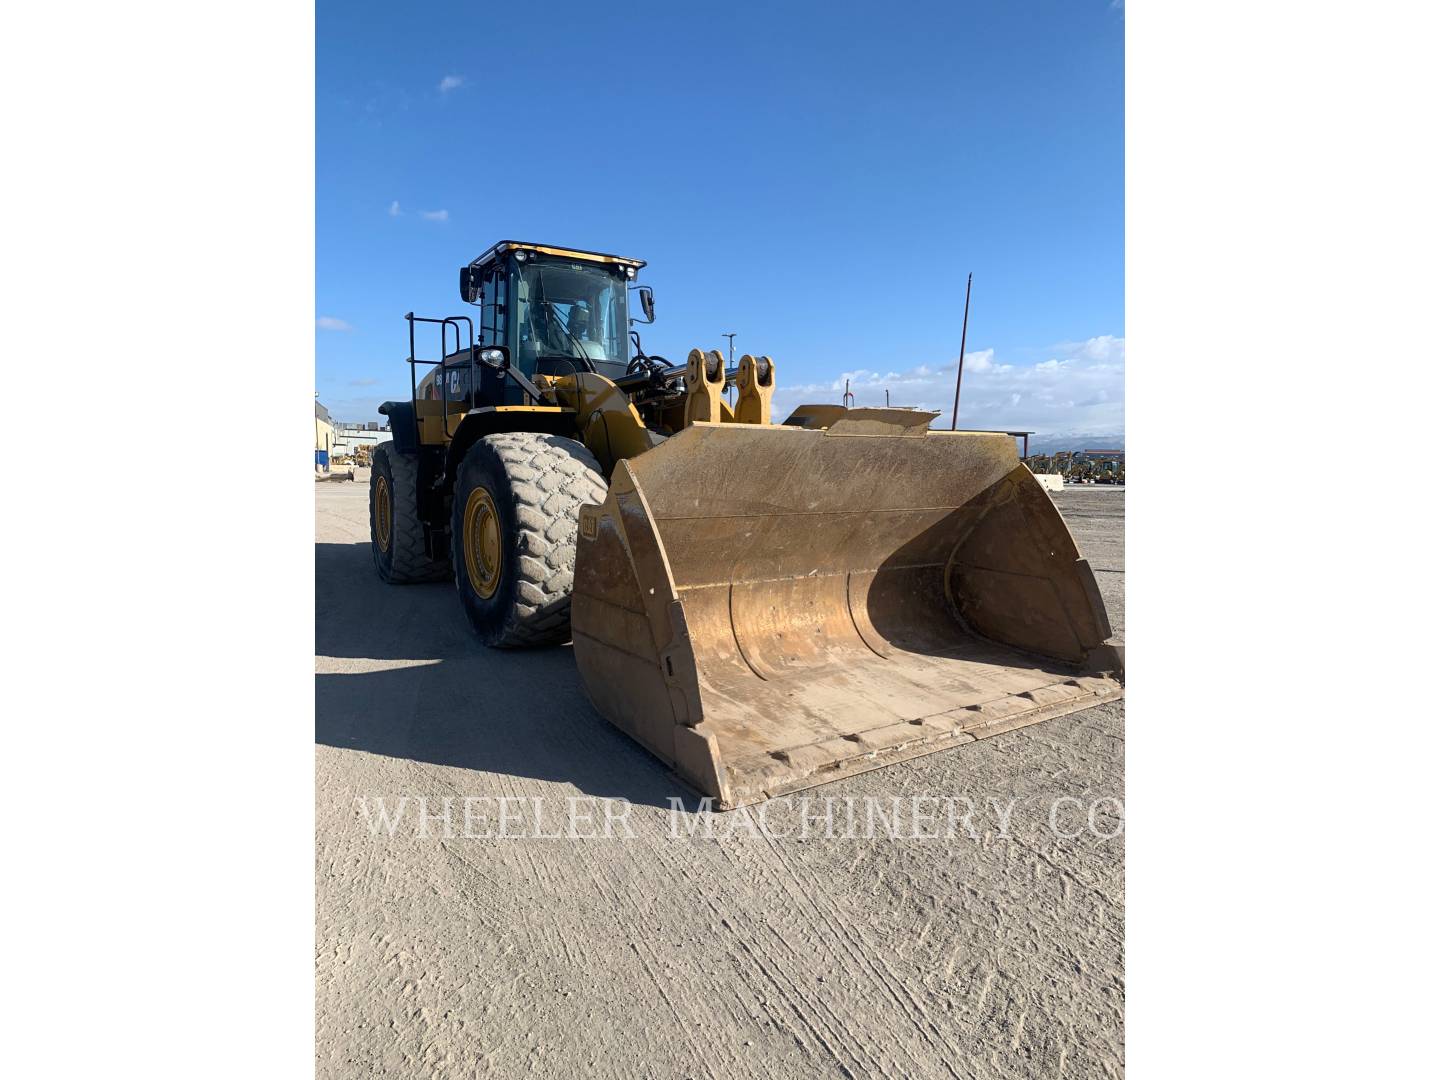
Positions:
{"x": 764, "y": 606}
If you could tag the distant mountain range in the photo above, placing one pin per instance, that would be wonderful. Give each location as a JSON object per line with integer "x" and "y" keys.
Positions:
{"x": 1051, "y": 444}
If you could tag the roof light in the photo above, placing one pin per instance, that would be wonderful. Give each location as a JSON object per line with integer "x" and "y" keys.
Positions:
{"x": 630, "y": 272}
{"x": 521, "y": 256}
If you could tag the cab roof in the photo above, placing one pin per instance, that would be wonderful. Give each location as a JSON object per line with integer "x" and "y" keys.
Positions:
{"x": 504, "y": 247}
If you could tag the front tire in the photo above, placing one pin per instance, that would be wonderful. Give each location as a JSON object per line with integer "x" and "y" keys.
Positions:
{"x": 397, "y": 536}
{"x": 513, "y": 528}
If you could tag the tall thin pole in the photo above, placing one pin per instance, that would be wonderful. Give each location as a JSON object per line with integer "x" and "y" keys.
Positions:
{"x": 960, "y": 371}
{"x": 730, "y": 389}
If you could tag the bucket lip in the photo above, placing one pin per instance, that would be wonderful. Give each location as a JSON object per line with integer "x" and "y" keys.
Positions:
{"x": 755, "y": 779}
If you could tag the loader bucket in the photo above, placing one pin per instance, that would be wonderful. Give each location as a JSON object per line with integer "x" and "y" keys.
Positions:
{"x": 767, "y": 608}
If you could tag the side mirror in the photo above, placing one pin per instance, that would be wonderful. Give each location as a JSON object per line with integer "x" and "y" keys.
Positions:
{"x": 647, "y": 303}
{"x": 469, "y": 284}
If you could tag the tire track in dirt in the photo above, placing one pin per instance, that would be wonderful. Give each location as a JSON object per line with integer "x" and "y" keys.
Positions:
{"x": 834, "y": 922}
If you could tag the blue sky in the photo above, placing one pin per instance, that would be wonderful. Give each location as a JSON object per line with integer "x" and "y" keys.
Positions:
{"x": 818, "y": 177}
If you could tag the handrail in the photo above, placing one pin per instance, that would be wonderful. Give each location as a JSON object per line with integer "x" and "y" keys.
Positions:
{"x": 448, "y": 321}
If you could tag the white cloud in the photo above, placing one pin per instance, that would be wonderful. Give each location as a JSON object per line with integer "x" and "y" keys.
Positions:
{"x": 428, "y": 215}
{"x": 327, "y": 322}
{"x": 451, "y": 82}
{"x": 1079, "y": 390}
{"x": 1104, "y": 347}
{"x": 983, "y": 360}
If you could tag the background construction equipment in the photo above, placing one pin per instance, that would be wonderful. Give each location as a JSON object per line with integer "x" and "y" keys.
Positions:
{"x": 1081, "y": 466}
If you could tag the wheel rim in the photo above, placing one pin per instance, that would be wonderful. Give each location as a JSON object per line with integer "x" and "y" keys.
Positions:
{"x": 484, "y": 557}
{"x": 382, "y": 513}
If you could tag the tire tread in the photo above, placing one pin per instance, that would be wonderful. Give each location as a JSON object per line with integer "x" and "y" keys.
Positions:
{"x": 550, "y": 477}
{"x": 409, "y": 561}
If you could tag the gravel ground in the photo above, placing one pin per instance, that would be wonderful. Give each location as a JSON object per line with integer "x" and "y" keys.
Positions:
{"x": 993, "y": 951}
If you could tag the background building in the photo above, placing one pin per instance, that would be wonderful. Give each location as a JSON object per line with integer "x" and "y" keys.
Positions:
{"x": 350, "y": 437}
{"x": 324, "y": 436}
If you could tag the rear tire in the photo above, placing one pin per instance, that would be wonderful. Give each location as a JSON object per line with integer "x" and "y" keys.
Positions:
{"x": 513, "y": 528}
{"x": 397, "y": 536}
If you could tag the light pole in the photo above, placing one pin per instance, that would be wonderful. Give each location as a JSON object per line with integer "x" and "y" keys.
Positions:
{"x": 731, "y": 364}
{"x": 960, "y": 371}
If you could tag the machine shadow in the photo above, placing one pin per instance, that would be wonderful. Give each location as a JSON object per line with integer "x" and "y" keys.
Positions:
{"x": 444, "y": 699}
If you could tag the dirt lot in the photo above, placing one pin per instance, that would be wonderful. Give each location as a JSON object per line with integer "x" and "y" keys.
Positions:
{"x": 652, "y": 954}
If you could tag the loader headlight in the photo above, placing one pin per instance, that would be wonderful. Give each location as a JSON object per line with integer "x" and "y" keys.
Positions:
{"x": 521, "y": 256}
{"x": 492, "y": 356}
{"x": 630, "y": 272}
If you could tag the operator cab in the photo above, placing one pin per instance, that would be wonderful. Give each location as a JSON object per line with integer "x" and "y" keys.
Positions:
{"x": 557, "y": 310}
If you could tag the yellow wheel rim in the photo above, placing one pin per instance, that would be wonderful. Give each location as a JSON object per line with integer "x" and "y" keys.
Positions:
{"x": 484, "y": 557}
{"x": 382, "y": 513}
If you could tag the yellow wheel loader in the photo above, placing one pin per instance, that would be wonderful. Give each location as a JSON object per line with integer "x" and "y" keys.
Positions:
{"x": 765, "y": 607}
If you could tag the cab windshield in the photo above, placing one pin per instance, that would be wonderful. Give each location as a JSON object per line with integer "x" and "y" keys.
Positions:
{"x": 572, "y": 313}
